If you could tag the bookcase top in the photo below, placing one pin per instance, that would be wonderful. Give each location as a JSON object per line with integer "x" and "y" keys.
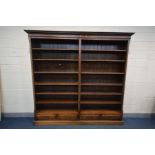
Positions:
{"x": 79, "y": 33}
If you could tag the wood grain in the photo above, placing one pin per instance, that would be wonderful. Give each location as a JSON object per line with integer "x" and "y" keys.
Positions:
{"x": 78, "y": 77}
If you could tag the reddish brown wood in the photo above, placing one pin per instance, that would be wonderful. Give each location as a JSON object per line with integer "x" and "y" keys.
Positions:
{"x": 100, "y": 93}
{"x": 102, "y": 60}
{"x": 53, "y": 72}
{"x": 53, "y": 49}
{"x": 96, "y": 50}
{"x": 56, "y": 93}
{"x": 78, "y": 77}
{"x": 100, "y": 102}
{"x": 48, "y": 101}
{"x": 56, "y": 83}
{"x": 78, "y": 122}
{"x": 101, "y": 84}
{"x": 102, "y": 73}
{"x": 54, "y": 60}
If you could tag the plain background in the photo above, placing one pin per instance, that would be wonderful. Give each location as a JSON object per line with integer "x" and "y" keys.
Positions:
{"x": 16, "y": 81}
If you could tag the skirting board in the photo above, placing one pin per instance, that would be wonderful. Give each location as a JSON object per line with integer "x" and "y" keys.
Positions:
{"x": 126, "y": 115}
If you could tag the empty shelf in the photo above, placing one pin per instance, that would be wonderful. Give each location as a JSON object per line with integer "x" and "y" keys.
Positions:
{"x": 55, "y": 60}
{"x": 100, "y": 102}
{"x": 119, "y": 73}
{"x": 56, "y": 83}
{"x": 55, "y": 49}
{"x": 52, "y": 72}
{"x": 100, "y": 93}
{"x": 48, "y": 101}
{"x": 56, "y": 93}
{"x": 101, "y": 60}
{"x": 102, "y": 50}
{"x": 101, "y": 84}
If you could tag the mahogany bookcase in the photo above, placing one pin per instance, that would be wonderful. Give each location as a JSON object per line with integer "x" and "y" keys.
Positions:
{"x": 78, "y": 77}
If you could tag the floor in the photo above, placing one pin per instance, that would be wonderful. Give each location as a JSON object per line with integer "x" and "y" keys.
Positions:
{"x": 27, "y": 123}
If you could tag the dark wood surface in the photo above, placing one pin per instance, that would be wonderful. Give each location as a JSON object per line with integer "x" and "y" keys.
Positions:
{"x": 77, "y": 122}
{"x": 78, "y": 77}
{"x": 39, "y": 32}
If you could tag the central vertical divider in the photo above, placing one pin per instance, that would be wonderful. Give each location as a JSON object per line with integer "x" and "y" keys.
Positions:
{"x": 79, "y": 78}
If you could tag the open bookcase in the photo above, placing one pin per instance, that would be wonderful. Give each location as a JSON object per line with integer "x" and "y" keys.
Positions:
{"x": 78, "y": 77}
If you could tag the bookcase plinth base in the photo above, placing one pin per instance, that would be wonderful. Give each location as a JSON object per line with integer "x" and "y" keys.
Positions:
{"x": 79, "y": 122}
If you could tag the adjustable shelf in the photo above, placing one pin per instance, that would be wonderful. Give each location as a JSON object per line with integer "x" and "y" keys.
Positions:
{"x": 101, "y": 60}
{"x": 78, "y": 77}
{"x": 100, "y": 102}
{"x": 56, "y": 83}
{"x": 85, "y": 60}
{"x": 102, "y": 73}
{"x": 100, "y": 50}
{"x": 56, "y": 93}
{"x": 53, "y": 49}
{"x": 100, "y": 93}
{"x": 48, "y": 101}
{"x": 51, "y": 72}
{"x": 55, "y": 60}
{"x": 102, "y": 84}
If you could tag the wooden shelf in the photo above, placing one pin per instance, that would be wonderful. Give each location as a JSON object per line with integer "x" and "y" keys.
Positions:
{"x": 56, "y": 93}
{"x": 74, "y": 101}
{"x": 101, "y": 93}
{"x": 102, "y": 112}
{"x": 55, "y": 60}
{"x": 100, "y": 50}
{"x": 94, "y": 73}
{"x": 102, "y": 84}
{"x": 84, "y": 60}
{"x": 56, "y": 83}
{"x": 52, "y": 72}
{"x": 54, "y": 49}
{"x": 45, "y": 101}
{"x": 101, "y": 60}
{"x": 67, "y": 49}
{"x": 100, "y": 102}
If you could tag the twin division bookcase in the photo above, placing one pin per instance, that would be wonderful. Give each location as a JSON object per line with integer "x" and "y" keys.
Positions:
{"x": 78, "y": 77}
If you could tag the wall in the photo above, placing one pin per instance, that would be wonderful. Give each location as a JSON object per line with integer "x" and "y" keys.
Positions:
{"x": 16, "y": 81}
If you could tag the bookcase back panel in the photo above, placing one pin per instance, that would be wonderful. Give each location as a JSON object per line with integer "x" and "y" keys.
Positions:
{"x": 102, "y": 67}
{"x": 101, "y": 88}
{"x": 55, "y": 43}
{"x": 102, "y": 78}
{"x": 73, "y": 106}
{"x": 55, "y": 78}
{"x": 86, "y": 55}
{"x": 49, "y": 88}
{"x": 55, "y": 66}
{"x": 103, "y": 45}
{"x": 50, "y": 98}
{"x": 99, "y": 106}
{"x": 101, "y": 98}
{"x": 59, "y": 54}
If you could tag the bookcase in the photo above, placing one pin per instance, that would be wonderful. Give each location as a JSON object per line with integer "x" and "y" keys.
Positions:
{"x": 78, "y": 77}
